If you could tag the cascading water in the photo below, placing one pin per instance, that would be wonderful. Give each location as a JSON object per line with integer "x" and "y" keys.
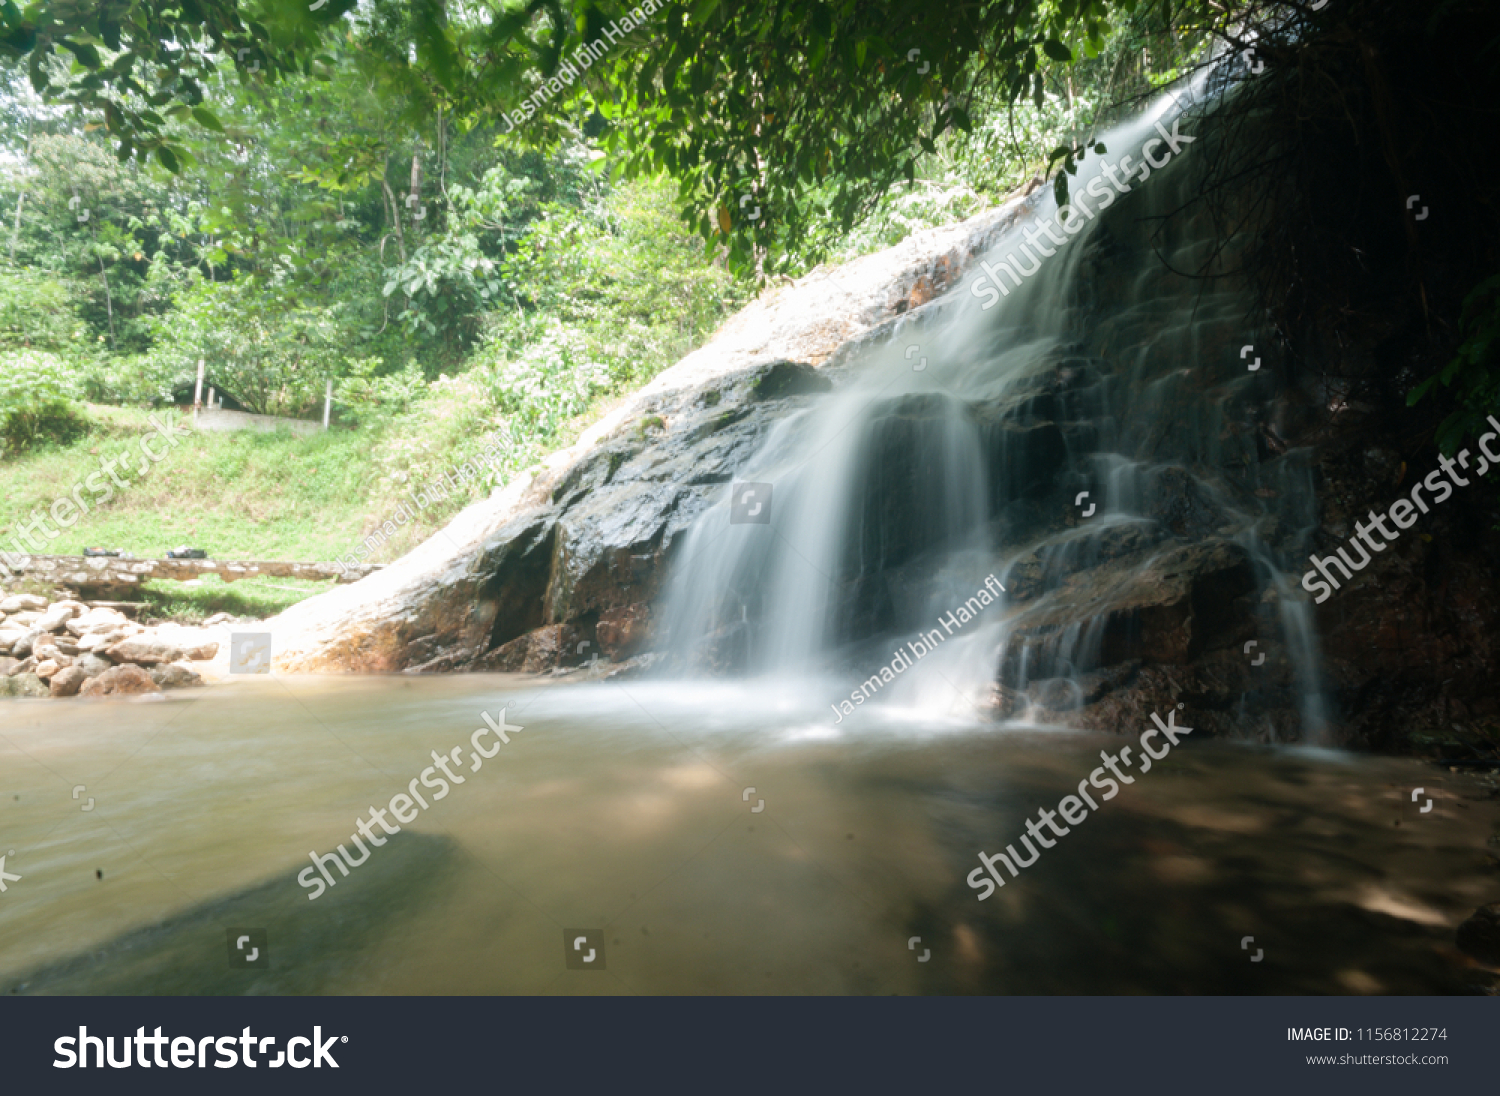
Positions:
{"x": 1115, "y": 363}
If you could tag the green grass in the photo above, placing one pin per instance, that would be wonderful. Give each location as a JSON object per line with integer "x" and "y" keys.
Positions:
{"x": 258, "y": 598}
{"x": 241, "y": 495}
{"x": 244, "y": 495}
{"x": 253, "y": 496}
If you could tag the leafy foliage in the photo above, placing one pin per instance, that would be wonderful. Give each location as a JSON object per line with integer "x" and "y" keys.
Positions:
{"x": 1474, "y": 372}
{"x": 36, "y": 311}
{"x": 37, "y": 394}
{"x": 268, "y": 349}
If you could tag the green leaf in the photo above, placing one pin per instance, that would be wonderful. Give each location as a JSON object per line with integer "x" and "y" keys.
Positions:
{"x": 168, "y": 159}
{"x": 204, "y": 117}
{"x": 1057, "y": 51}
{"x": 87, "y": 55}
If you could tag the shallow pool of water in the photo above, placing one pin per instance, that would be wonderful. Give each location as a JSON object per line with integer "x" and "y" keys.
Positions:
{"x": 713, "y": 838}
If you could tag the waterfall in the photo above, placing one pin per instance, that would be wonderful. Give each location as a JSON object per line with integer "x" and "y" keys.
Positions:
{"x": 1075, "y": 416}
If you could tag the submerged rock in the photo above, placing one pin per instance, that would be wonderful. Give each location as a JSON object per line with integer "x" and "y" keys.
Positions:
{"x": 1479, "y": 936}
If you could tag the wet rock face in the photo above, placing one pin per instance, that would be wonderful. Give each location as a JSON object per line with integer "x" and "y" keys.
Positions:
{"x": 1411, "y": 646}
{"x": 575, "y": 579}
{"x": 1114, "y": 617}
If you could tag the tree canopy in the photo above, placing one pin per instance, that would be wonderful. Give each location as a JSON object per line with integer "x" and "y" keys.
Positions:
{"x": 772, "y": 118}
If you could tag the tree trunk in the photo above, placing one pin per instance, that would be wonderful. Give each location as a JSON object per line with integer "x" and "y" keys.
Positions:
{"x": 109, "y": 306}
{"x": 416, "y": 182}
{"x": 15, "y": 233}
{"x": 394, "y": 211}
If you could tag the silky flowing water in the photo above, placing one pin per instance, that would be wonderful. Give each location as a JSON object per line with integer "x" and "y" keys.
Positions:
{"x": 623, "y": 808}
{"x": 1063, "y": 408}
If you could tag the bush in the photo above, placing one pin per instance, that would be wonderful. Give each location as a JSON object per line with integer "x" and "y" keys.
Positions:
{"x": 370, "y": 399}
{"x": 1474, "y": 372}
{"x": 36, "y": 313}
{"x": 37, "y": 402}
{"x": 270, "y": 351}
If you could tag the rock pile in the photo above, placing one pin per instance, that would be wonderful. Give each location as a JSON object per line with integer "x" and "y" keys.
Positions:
{"x": 68, "y": 648}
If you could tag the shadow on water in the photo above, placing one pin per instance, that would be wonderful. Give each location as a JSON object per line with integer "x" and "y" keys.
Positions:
{"x": 1261, "y": 892}
{"x": 310, "y": 945}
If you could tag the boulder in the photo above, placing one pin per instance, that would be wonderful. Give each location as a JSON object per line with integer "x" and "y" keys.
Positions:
{"x": 56, "y": 616}
{"x": 144, "y": 650}
{"x": 1164, "y": 604}
{"x": 18, "y": 603}
{"x": 26, "y": 685}
{"x": 96, "y": 641}
{"x": 25, "y": 666}
{"x": 67, "y": 681}
{"x": 23, "y": 646}
{"x": 96, "y": 620}
{"x": 175, "y": 675}
{"x": 547, "y": 648}
{"x": 7, "y": 664}
{"x": 588, "y": 533}
{"x": 9, "y": 637}
{"x": 94, "y": 665}
{"x": 204, "y": 652}
{"x": 45, "y": 670}
{"x": 124, "y": 680}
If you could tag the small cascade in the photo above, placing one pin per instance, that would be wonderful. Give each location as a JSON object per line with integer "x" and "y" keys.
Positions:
{"x": 1082, "y": 416}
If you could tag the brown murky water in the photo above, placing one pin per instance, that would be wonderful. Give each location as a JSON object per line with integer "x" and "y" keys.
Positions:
{"x": 622, "y": 811}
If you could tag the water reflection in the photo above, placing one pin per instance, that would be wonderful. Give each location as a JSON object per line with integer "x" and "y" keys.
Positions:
{"x": 623, "y": 808}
